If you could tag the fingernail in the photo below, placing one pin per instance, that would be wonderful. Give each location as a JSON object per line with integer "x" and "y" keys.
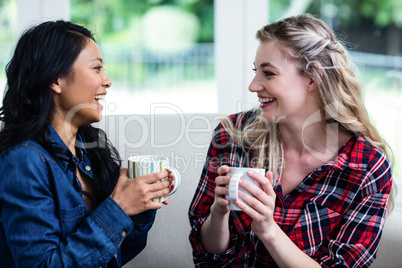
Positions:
{"x": 250, "y": 172}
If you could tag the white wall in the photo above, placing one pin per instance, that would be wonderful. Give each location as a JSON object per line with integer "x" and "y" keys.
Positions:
{"x": 32, "y": 12}
{"x": 236, "y": 22}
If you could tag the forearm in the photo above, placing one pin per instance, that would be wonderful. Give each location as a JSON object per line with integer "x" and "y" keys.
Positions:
{"x": 93, "y": 243}
{"x": 215, "y": 234}
{"x": 284, "y": 251}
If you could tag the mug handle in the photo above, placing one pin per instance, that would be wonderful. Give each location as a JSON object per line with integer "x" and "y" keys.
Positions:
{"x": 234, "y": 189}
{"x": 176, "y": 181}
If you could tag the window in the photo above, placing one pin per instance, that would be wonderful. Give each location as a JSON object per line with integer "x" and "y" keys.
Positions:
{"x": 8, "y": 36}
{"x": 154, "y": 53}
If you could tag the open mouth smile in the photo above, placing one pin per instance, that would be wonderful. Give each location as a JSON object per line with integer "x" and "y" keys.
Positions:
{"x": 99, "y": 97}
{"x": 266, "y": 100}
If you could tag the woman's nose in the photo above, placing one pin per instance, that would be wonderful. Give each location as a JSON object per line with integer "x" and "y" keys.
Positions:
{"x": 106, "y": 81}
{"x": 255, "y": 85}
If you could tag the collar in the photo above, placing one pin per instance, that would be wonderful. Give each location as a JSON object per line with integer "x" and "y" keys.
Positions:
{"x": 64, "y": 159}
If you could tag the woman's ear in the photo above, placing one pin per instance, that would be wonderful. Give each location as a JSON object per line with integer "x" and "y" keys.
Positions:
{"x": 311, "y": 85}
{"x": 56, "y": 87}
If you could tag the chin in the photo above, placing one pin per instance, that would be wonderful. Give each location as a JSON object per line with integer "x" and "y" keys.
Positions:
{"x": 91, "y": 120}
{"x": 272, "y": 118}
{"x": 95, "y": 115}
{"x": 100, "y": 116}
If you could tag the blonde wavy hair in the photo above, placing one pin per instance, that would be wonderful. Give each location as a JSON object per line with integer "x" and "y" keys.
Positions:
{"x": 309, "y": 42}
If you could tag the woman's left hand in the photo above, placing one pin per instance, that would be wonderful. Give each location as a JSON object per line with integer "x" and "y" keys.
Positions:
{"x": 261, "y": 206}
{"x": 171, "y": 178}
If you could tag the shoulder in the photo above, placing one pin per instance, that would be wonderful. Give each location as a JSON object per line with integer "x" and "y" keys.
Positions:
{"x": 367, "y": 157}
{"x": 242, "y": 119}
{"x": 25, "y": 166}
{"x": 26, "y": 151}
{"x": 25, "y": 159}
{"x": 226, "y": 134}
{"x": 234, "y": 121}
{"x": 373, "y": 162}
{"x": 238, "y": 120}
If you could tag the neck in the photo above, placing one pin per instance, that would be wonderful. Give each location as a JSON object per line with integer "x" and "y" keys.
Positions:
{"x": 314, "y": 140}
{"x": 312, "y": 137}
{"x": 67, "y": 133}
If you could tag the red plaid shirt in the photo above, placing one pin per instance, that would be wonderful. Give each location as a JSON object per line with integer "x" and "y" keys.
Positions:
{"x": 336, "y": 215}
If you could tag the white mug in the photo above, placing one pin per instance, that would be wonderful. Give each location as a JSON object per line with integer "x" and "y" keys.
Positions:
{"x": 237, "y": 173}
{"x": 141, "y": 165}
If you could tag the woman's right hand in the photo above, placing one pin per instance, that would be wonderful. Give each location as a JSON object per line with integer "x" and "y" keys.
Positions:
{"x": 221, "y": 190}
{"x": 135, "y": 195}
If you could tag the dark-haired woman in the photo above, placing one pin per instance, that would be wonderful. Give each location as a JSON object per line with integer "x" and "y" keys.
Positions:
{"x": 64, "y": 200}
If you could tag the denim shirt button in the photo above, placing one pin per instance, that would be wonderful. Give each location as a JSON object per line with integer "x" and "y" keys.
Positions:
{"x": 123, "y": 234}
{"x": 87, "y": 168}
{"x": 115, "y": 256}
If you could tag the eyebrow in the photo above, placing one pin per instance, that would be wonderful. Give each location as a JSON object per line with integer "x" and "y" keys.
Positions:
{"x": 268, "y": 64}
{"x": 99, "y": 59}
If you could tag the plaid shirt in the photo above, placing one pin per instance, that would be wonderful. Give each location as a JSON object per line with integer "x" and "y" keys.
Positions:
{"x": 336, "y": 214}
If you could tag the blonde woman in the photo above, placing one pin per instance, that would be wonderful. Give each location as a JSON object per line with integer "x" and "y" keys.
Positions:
{"x": 328, "y": 184}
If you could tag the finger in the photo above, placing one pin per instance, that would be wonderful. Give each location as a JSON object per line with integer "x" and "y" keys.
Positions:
{"x": 255, "y": 194}
{"x": 160, "y": 193}
{"x": 161, "y": 185}
{"x": 265, "y": 183}
{"x": 222, "y": 180}
{"x": 222, "y": 190}
{"x": 256, "y": 201}
{"x": 162, "y": 174}
{"x": 269, "y": 188}
{"x": 171, "y": 176}
{"x": 244, "y": 207}
{"x": 249, "y": 210}
{"x": 154, "y": 177}
{"x": 154, "y": 205}
{"x": 270, "y": 177}
{"x": 222, "y": 170}
{"x": 250, "y": 187}
{"x": 222, "y": 201}
{"x": 166, "y": 202}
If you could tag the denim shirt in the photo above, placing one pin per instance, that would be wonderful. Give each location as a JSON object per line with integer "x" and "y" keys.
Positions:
{"x": 44, "y": 221}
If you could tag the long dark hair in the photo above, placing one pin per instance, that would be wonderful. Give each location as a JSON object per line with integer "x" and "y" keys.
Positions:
{"x": 43, "y": 54}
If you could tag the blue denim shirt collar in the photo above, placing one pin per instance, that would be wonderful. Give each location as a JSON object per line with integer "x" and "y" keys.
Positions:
{"x": 82, "y": 161}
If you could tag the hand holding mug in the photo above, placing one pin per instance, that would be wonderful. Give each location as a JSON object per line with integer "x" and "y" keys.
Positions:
{"x": 221, "y": 191}
{"x": 141, "y": 165}
{"x": 135, "y": 195}
{"x": 146, "y": 184}
{"x": 259, "y": 204}
{"x": 236, "y": 174}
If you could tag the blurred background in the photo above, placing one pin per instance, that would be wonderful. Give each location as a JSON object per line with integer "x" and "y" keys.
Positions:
{"x": 195, "y": 56}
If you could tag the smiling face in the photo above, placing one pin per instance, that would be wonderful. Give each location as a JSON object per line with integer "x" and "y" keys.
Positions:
{"x": 285, "y": 95}
{"x": 77, "y": 95}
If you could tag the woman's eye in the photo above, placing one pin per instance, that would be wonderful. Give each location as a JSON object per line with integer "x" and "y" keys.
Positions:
{"x": 98, "y": 68}
{"x": 268, "y": 73}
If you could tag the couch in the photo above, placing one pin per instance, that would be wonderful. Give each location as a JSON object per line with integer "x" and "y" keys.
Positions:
{"x": 184, "y": 138}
